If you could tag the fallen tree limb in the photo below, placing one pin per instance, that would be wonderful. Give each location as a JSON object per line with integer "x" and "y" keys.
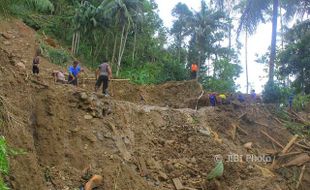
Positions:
{"x": 302, "y": 146}
{"x": 299, "y": 118}
{"x": 242, "y": 130}
{"x": 289, "y": 144}
{"x": 272, "y": 139}
{"x": 301, "y": 176}
{"x": 290, "y": 153}
{"x": 261, "y": 124}
{"x": 110, "y": 79}
{"x": 281, "y": 123}
{"x": 298, "y": 161}
{"x": 242, "y": 115}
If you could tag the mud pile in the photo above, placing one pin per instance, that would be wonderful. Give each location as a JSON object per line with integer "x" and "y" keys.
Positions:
{"x": 143, "y": 137}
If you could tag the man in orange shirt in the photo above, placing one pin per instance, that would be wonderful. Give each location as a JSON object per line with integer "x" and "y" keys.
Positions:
{"x": 194, "y": 70}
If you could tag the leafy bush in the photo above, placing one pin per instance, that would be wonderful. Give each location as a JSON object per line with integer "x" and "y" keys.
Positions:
{"x": 154, "y": 73}
{"x": 274, "y": 93}
{"x": 4, "y": 164}
{"x": 300, "y": 101}
{"x": 56, "y": 56}
{"x": 146, "y": 74}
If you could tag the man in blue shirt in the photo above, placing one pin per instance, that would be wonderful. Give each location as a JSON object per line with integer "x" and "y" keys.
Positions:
{"x": 74, "y": 71}
{"x": 253, "y": 96}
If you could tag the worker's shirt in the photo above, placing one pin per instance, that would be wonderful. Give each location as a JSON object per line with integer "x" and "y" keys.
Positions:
{"x": 103, "y": 68}
{"x": 74, "y": 71}
{"x": 223, "y": 96}
{"x": 36, "y": 61}
{"x": 253, "y": 95}
{"x": 60, "y": 76}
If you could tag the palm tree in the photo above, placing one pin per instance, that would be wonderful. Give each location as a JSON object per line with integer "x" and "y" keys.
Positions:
{"x": 84, "y": 21}
{"x": 206, "y": 26}
{"x": 254, "y": 13}
{"x": 124, "y": 12}
{"x": 180, "y": 27}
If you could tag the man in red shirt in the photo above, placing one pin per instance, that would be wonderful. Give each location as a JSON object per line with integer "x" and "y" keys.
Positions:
{"x": 194, "y": 70}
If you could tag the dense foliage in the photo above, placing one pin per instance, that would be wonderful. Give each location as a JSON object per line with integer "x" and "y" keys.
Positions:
{"x": 131, "y": 35}
{"x": 294, "y": 60}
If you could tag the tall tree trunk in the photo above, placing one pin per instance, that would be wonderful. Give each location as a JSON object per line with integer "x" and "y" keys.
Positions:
{"x": 273, "y": 39}
{"x": 134, "y": 48}
{"x": 72, "y": 44}
{"x": 114, "y": 51}
{"x": 77, "y": 43}
{"x": 281, "y": 26}
{"x": 246, "y": 61}
{"x": 122, "y": 47}
{"x": 120, "y": 51}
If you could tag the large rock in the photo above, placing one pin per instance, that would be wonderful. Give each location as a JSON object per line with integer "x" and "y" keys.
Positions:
{"x": 7, "y": 36}
{"x": 7, "y": 43}
{"x": 88, "y": 117}
{"x": 20, "y": 65}
{"x": 83, "y": 96}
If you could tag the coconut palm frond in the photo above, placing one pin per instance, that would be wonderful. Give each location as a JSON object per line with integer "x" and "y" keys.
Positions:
{"x": 253, "y": 14}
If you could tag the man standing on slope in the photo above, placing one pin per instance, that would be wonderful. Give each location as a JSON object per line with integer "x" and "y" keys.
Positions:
{"x": 103, "y": 75}
{"x": 36, "y": 62}
{"x": 74, "y": 71}
{"x": 194, "y": 70}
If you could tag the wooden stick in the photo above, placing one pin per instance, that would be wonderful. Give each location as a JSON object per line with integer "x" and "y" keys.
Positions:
{"x": 290, "y": 153}
{"x": 289, "y": 144}
{"x": 242, "y": 130}
{"x": 302, "y": 146}
{"x": 110, "y": 79}
{"x": 301, "y": 176}
{"x": 278, "y": 120}
{"x": 241, "y": 116}
{"x": 299, "y": 118}
{"x": 261, "y": 124}
{"x": 272, "y": 139}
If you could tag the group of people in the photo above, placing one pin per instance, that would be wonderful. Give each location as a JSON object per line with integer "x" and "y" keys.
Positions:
{"x": 103, "y": 73}
{"x": 222, "y": 99}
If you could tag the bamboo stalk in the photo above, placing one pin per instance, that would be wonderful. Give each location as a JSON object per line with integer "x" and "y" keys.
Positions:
{"x": 272, "y": 139}
{"x": 291, "y": 142}
{"x": 301, "y": 176}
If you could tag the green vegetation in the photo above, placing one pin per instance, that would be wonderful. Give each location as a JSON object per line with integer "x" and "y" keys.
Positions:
{"x": 131, "y": 35}
{"x": 4, "y": 164}
{"x": 56, "y": 56}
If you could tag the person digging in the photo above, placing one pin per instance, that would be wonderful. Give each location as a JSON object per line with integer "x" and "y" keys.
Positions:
{"x": 103, "y": 75}
{"x": 74, "y": 71}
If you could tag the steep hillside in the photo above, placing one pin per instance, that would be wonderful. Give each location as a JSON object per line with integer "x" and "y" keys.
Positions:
{"x": 143, "y": 137}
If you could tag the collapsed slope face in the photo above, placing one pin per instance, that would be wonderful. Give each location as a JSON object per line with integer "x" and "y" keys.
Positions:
{"x": 171, "y": 94}
{"x": 132, "y": 145}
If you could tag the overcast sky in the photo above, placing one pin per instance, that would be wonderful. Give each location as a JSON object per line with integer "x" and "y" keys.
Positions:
{"x": 257, "y": 44}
